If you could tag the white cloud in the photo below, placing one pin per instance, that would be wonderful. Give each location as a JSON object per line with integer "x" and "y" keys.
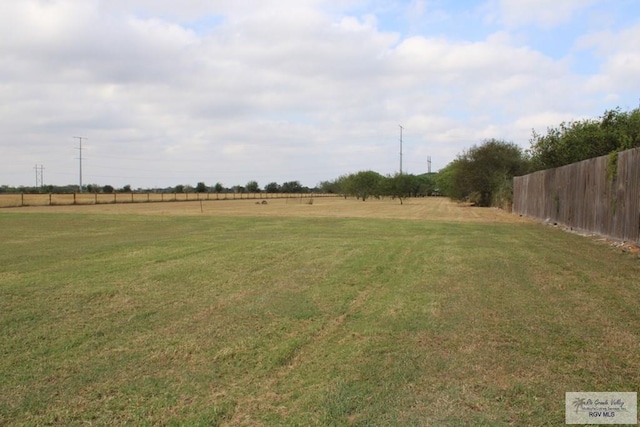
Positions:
{"x": 546, "y": 14}
{"x": 619, "y": 59}
{"x": 275, "y": 91}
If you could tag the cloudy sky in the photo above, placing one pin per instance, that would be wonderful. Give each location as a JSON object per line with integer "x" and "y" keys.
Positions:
{"x": 168, "y": 92}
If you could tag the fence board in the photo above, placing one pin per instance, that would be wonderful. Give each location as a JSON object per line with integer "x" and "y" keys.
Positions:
{"x": 594, "y": 195}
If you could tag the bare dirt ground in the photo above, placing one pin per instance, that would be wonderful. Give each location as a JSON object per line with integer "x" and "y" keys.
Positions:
{"x": 429, "y": 208}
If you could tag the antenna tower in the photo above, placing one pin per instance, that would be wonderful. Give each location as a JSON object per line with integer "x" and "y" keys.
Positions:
{"x": 80, "y": 138}
{"x": 401, "y": 129}
{"x": 39, "y": 176}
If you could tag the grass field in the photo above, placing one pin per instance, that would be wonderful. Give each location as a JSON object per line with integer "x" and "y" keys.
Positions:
{"x": 336, "y": 313}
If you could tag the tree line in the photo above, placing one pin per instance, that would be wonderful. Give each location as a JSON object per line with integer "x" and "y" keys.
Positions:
{"x": 200, "y": 187}
{"x": 366, "y": 184}
{"x": 484, "y": 173}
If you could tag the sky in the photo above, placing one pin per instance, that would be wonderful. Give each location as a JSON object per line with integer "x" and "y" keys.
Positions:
{"x": 179, "y": 92}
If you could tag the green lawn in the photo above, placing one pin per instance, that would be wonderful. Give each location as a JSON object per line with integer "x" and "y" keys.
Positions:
{"x": 147, "y": 320}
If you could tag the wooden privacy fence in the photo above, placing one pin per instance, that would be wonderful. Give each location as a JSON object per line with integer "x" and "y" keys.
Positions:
{"x": 599, "y": 195}
{"x": 26, "y": 199}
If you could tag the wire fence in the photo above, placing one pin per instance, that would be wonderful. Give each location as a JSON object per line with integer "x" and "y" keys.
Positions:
{"x": 599, "y": 195}
{"x": 14, "y": 200}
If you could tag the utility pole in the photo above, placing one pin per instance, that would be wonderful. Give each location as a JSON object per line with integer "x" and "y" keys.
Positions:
{"x": 80, "y": 158}
{"x": 428, "y": 164}
{"x": 401, "y": 128}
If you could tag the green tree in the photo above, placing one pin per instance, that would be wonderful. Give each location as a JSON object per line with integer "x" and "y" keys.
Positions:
{"x": 218, "y": 188}
{"x": 425, "y": 185}
{"x": 400, "y": 185}
{"x": 330, "y": 187}
{"x": 201, "y": 187}
{"x": 252, "y": 187}
{"x": 363, "y": 184}
{"x": 272, "y": 187}
{"x": 450, "y": 179}
{"x": 107, "y": 189}
{"x": 93, "y": 188}
{"x": 291, "y": 187}
{"x": 482, "y": 174}
{"x": 583, "y": 139}
{"x": 342, "y": 185}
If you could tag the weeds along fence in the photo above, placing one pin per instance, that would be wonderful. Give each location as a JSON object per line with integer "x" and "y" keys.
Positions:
{"x": 599, "y": 195}
{"x": 9, "y": 200}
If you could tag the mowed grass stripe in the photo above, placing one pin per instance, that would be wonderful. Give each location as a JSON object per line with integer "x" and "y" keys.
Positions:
{"x": 307, "y": 321}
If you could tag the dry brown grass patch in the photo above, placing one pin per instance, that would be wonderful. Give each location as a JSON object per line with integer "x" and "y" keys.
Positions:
{"x": 427, "y": 209}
